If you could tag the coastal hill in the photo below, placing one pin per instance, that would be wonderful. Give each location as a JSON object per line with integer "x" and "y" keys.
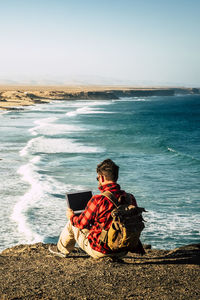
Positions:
{"x": 32, "y": 272}
{"x": 12, "y": 97}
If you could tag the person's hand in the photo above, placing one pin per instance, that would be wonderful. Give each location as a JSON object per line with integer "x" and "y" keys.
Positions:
{"x": 69, "y": 213}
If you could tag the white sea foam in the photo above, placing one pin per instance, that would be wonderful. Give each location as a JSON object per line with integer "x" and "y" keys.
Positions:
{"x": 132, "y": 99}
{"x": 85, "y": 111}
{"x": 56, "y": 145}
{"x": 100, "y": 102}
{"x": 87, "y": 107}
{"x": 46, "y": 120}
{"x": 35, "y": 159}
{"x": 166, "y": 226}
{"x": 46, "y": 128}
{"x": 24, "y": 203}
{"x": 82, "y": 103}
{"x": 140, "y": 99}
{"x": 3, "y": 112}
{"x": 182, "y": 154}
{"x": 171, "y": 150}
{"x": 40, "y": 123}
{"x": 24, "y": 151}
{"x": 38, "y": 196}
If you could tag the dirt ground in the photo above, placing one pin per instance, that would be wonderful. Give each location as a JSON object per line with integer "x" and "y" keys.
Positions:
{"x": 32, "y": 272}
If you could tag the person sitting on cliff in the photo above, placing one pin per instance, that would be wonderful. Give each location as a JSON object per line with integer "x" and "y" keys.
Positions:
{"x": 85, "y": 229}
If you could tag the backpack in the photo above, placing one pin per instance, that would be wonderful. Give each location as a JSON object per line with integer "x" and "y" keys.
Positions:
{"x": 126, "y": 227}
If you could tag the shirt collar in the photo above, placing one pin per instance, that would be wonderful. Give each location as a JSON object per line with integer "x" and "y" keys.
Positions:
{"x": 110, "y": 186}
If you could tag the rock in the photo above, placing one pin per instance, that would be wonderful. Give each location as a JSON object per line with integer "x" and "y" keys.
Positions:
{"x": 147, "y": 246}
{"x": 188, "y": 250}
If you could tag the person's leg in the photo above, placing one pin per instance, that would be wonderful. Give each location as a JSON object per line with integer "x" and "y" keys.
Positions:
{"x": 84, "y": 244}
{"x": 66, "y": 240}
{"x": 70, "y": 235}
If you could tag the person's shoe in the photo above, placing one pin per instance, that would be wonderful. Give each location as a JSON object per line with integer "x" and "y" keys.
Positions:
{"x": 78, "y": 250}
{"x": 54, "y": 250}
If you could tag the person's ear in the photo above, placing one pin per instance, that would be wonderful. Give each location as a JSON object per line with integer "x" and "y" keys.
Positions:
{"x": 102, "y": 178}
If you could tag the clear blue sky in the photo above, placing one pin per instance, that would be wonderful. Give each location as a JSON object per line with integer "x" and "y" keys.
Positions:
{"x": 152, "y": 41}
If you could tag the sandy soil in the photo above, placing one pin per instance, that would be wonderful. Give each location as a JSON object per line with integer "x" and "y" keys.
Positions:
{"x": 73, "y": 88}
{"x": 32, "y": 272}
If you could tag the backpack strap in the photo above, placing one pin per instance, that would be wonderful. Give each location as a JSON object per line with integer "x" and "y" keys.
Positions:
{"x": 103, "y": 238}
{"x": 111, "y": 197}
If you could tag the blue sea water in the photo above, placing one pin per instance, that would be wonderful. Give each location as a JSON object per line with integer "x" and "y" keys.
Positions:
{"x": 50, "y": 149}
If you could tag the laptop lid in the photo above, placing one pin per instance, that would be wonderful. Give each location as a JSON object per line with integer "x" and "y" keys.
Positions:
{"x": 77, "y": 201}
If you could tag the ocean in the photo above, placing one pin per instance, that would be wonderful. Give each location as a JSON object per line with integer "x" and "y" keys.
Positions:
{"x": 49, "y": 149}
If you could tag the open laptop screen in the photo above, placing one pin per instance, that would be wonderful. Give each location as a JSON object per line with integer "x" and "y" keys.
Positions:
{"x": 77, "y": 201}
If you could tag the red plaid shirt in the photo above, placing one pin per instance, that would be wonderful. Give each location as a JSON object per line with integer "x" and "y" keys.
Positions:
{"x": 97, "y": 216}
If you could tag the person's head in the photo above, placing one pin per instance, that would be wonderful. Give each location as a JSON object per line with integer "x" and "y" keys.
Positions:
{"x": 108, "y": 171}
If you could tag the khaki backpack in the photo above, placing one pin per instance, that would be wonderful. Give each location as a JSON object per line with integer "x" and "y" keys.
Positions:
{"x": 126, "y": 226}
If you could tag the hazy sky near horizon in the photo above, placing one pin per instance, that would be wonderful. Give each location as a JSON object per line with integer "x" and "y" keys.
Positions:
{"x": 111, "y": 41}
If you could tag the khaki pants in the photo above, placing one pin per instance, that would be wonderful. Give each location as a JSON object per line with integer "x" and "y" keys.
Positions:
{"x": 71, "y": 235}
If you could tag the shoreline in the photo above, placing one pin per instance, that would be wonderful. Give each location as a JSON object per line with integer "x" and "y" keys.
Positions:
{"x": 32, "y": 272}
{"x": 16, "y": 97}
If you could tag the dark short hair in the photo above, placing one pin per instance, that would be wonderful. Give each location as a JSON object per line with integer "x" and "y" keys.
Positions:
{"x": 108, "y": 169}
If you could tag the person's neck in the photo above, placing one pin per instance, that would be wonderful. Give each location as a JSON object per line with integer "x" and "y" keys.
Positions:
{"x": 108, "y": 182}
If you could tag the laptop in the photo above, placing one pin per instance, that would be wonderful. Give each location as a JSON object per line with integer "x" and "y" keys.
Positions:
{"x": 77, "y": 201}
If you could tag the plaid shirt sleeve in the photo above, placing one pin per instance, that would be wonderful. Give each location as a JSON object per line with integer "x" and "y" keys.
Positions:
{"x": 86, "y": 218}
